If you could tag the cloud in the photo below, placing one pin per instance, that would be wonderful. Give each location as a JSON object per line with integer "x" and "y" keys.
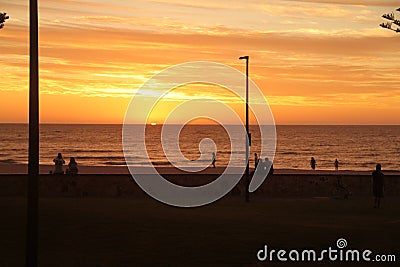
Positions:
{"x": 108, "y": 50}
{"x": 305, "y": 11}
{"x": 388, "y": 3}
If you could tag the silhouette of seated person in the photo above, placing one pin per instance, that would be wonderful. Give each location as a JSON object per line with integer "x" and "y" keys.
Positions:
{"x": 72, "y": 166}
{"x": 58, "y": 164}
{"x": 264, "y": 167}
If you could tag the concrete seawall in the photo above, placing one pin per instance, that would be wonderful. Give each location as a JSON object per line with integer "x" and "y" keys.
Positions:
{"x": 122, "y": 185}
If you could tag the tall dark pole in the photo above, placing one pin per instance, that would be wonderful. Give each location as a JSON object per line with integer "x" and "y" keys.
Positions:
{"x": 33, "y": 161}
{"x": 247, "y": 175}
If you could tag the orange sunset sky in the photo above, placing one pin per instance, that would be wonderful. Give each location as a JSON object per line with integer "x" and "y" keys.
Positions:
{"x": 316, "y": 61}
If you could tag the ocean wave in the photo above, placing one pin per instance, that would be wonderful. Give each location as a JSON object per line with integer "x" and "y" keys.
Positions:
{"x": 11, "y": 161}
{"x": 161, "y": 163}
{"x": 95, "y": 151}
{"x": 99, "y": 158}
{"x": 288, "y": 153}
{"x": 115, "y": 163}
{"x": 25, "y": 149}
{"x": 356, "y": 147}
{"x": 238, "y": 152}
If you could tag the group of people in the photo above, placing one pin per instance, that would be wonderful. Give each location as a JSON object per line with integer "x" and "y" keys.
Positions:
{"x": 313, "y": 163}
{"x": 72, "y": 167}
{"x": 378, "y": 183}
{"x": 263, "y": 164}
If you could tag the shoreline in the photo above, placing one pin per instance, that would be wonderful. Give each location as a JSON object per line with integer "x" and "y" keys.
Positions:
{"x": 6, "y": 168}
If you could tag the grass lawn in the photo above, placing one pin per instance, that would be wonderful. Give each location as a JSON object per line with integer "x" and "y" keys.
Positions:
{"x": 142, "y": 232}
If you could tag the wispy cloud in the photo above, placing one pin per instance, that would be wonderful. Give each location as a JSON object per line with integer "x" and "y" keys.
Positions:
{"x": 303, "y": 53}
{"x": 388, "y": 3}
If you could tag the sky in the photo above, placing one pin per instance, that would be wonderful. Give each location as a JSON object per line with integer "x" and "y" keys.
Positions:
{"x": 315, "y": 61}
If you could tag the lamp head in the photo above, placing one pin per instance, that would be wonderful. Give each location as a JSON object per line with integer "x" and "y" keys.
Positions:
{"x": 244, "y": 57}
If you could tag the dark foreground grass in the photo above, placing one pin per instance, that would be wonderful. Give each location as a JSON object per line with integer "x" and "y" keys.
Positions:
{"x": 143, "y": 232}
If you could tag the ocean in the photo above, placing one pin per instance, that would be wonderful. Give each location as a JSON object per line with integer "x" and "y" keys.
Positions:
{"x": 356, "y": 147}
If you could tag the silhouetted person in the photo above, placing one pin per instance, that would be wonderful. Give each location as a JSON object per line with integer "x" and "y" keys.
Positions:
{"x": 336, "y": 164}
{"x": 313, "y": 163}
{"x": 268, "y": 163}
{"x": 72, "y": 166}
{"x": 256, "y": 159}
{"x": 59, "y": 162}
{"x": 378, "y": 185}
{"x": 214, "y": 159}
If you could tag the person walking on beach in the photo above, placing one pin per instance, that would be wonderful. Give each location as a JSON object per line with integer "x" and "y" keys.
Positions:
{"x": 72, "y": 166}
{"x": 59, "y": 162}
{"x": 256, "y": 160}
{"x": 336, "y": 164}
{"x": 313, "y": 163}
{"x": 378, "y": 185}
{"x": 214, "y": 159}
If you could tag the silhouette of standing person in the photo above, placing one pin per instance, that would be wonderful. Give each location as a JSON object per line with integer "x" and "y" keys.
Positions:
{"x": 336, "y": 164}
{"x": 378, "y": 185}
{"x": 59, "y": 162}
{"x": 256, "y": 159}
{"x": 214, "y": 159}
{"x": 313, "y": 163}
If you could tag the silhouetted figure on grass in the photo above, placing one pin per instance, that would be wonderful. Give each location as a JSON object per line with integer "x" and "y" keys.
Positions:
{"x": 58, "y": 164}
{"x": 72, "y": 166}
{"x": 313, "y": 163}
{"x": 378, "y": 185}
{"x": 336, "y": 164}
{"x": 214, "y": 159}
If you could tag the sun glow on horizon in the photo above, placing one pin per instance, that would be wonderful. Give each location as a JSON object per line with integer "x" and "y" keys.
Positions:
{"x": 317, "y": 62}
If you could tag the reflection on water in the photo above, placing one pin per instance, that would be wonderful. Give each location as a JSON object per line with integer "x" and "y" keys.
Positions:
{"x": 356, "y": 147}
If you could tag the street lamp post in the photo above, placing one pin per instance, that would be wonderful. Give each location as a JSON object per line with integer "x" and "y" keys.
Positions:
{"x": 247, "y": 175}
{"x": 33, "y": 160}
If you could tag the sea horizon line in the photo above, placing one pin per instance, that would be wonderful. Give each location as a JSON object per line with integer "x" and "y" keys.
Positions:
{"x": 194, "y": 124}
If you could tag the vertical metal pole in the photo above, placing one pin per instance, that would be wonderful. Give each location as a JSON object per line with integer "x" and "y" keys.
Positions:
{"x": 247, "y": 131}
{"x": 31, "y": 259}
